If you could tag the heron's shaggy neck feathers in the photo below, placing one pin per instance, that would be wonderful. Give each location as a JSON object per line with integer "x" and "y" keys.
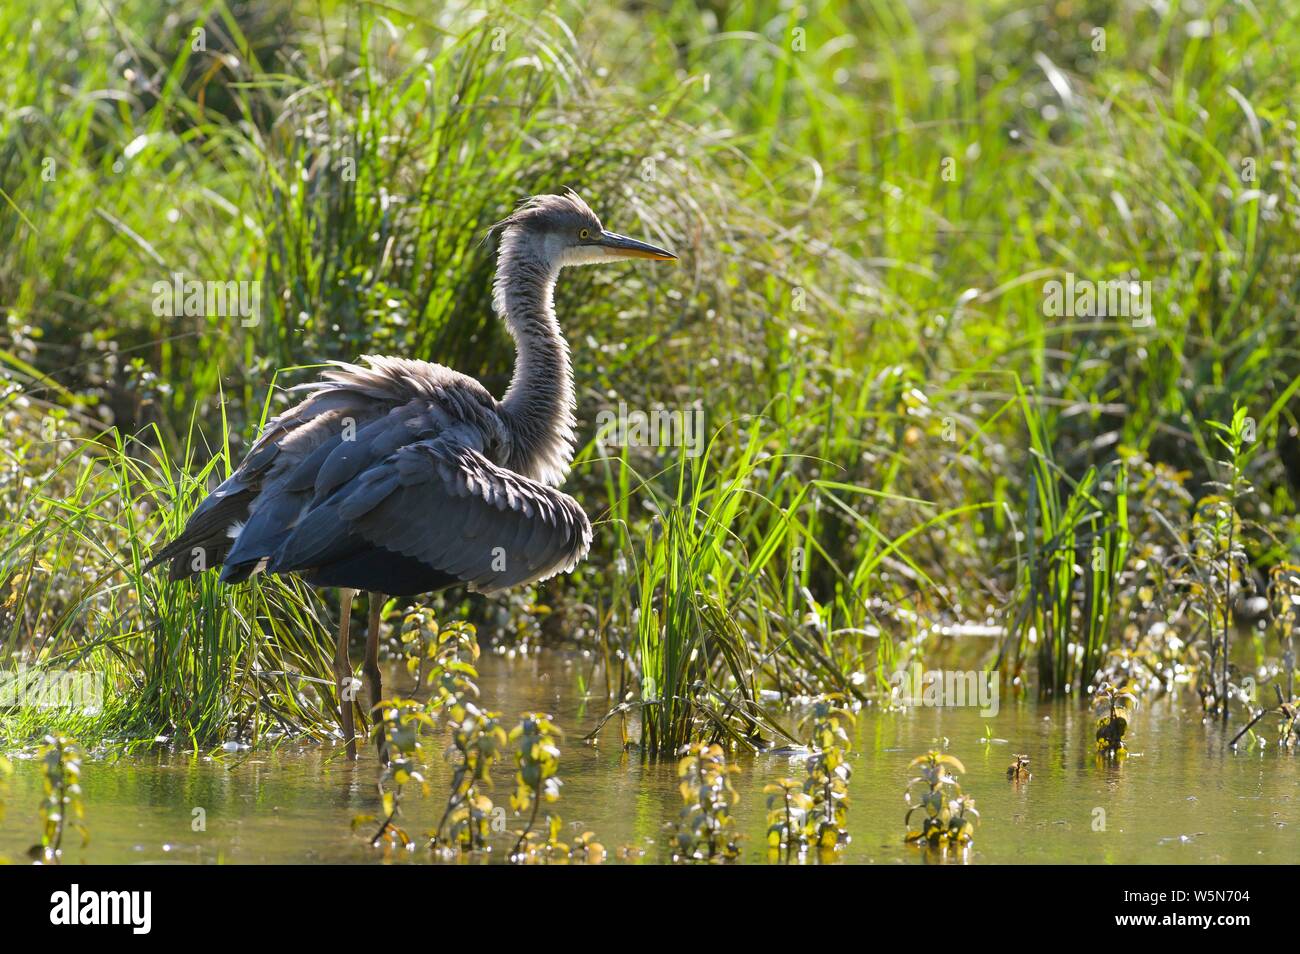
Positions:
{"x": 539, "y": 405}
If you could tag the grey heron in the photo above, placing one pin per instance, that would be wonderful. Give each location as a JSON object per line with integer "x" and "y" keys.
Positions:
{"x": 404, "y": 477}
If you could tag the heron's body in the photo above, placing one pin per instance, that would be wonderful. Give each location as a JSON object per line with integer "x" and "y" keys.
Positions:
{"x": 406, "y": 477}
{"x": 403, "y": 477}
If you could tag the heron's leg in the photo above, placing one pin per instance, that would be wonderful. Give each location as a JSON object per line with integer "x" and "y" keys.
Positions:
{"x": 343, "y": 672}
{"x": 374, "y": 685}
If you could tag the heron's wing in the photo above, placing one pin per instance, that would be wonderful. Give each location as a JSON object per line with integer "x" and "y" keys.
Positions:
{"x": 257, "y": 491}
{"x": 353, "y": 418}
{"x": 440, "y": 501}
{"x": 206, "y": 532}
{"x": 360, "y": 439}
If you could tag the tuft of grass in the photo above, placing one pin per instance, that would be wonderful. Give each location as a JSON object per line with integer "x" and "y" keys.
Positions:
{"x": 1076, "y": 545}
{"x": 195, "y": 662}
{"x": 710, "y": 601}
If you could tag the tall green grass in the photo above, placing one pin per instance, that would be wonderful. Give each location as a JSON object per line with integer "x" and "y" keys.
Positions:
{"x": 712, "y": 594}
{"x": 868, "y": 201}
{"x": 195, "y": 662}
{"x": 1076, "y": 547}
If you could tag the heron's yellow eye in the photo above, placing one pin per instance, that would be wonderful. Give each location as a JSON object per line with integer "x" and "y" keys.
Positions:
{"x": 584, "y": 234}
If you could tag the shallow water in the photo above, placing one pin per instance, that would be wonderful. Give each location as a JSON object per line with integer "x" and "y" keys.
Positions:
{"x": 1180, "y": 797}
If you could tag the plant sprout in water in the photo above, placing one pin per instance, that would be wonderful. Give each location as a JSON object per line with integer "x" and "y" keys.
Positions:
{"x": 946, "y": 815}
{"x": 62, "y": 805}
{"x": 828, "y": 775}
{"x": 537, "y": 761}
{"x": 1018, "y": 771}
{"x": 399, "y": 722}
{"x": 1284, "y": 597}
{"x": 705, "y": 830}
{"x": 1113, "y": 709}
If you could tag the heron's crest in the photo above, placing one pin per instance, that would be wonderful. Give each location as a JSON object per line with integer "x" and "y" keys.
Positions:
{"x": 545, "y": 212}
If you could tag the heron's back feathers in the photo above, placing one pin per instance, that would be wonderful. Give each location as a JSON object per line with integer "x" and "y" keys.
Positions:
{"x": 393, "y": 471}
{"x": 442, "y": 504}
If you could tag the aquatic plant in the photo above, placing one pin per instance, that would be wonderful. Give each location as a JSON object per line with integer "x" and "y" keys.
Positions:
{"x": 584, "y": 847}
{"x": 964, "y": 819}
{"x": 1288, "y": 730}
{"x": 787, "y": 812}
{"x": 693, "y": 582}
{"x": 1153, "y": 648}
{"x": 629, "y": 852}
{"x": 419, "y": 641}
{"x": 1218, "y": 542}
{"x": 1113, "y": 707}
{"x": 6, "y": 769}
{"x": 947, "y": 816}
{"x": 705, "y": 830}
{"x": 447, "y": 661}
{"x": 815, "y": 811}
{"x": 713, "y": 589}
{"x": 549, "y": 847}
{"x": 477, "y": 741}
{"x": 1018, "y": 771}
{"x": 400, "y": 723}
{"x": 1192, "y": 571}
{"x": 1215, "y": 564}
{"x": 440, "y": 658}
{"x": 62, "y": 806}
{"x": 1284, "y": 596}
{"x": 478, "y": 738}
{"x": 828, "y": 775}
{"x": 1158, "y": 658}
{"x": 1077, "y": 541}
{"x": 537, "y": 760}
{"x": 197, "y": 662}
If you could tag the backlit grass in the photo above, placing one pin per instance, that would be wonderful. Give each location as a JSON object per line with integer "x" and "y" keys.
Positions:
{"x": 868, "y": 200}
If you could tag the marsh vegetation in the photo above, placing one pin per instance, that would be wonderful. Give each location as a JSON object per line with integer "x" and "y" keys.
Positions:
{"x": 988, "y": 311}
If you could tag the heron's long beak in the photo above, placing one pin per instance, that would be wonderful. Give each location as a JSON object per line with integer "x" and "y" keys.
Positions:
{"x": 625, "y": 247}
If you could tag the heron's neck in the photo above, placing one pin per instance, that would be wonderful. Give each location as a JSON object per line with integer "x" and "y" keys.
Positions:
{"x": 539, "y": 404}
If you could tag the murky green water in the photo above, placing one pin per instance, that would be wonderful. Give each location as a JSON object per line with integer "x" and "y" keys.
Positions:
{"x": 1179, "y": 797}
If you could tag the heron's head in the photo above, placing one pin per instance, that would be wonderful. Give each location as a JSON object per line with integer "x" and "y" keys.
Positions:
{"x": 561, "y": 230}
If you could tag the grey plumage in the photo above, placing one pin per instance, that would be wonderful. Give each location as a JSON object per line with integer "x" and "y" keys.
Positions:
{"x": 402, "y": 476}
